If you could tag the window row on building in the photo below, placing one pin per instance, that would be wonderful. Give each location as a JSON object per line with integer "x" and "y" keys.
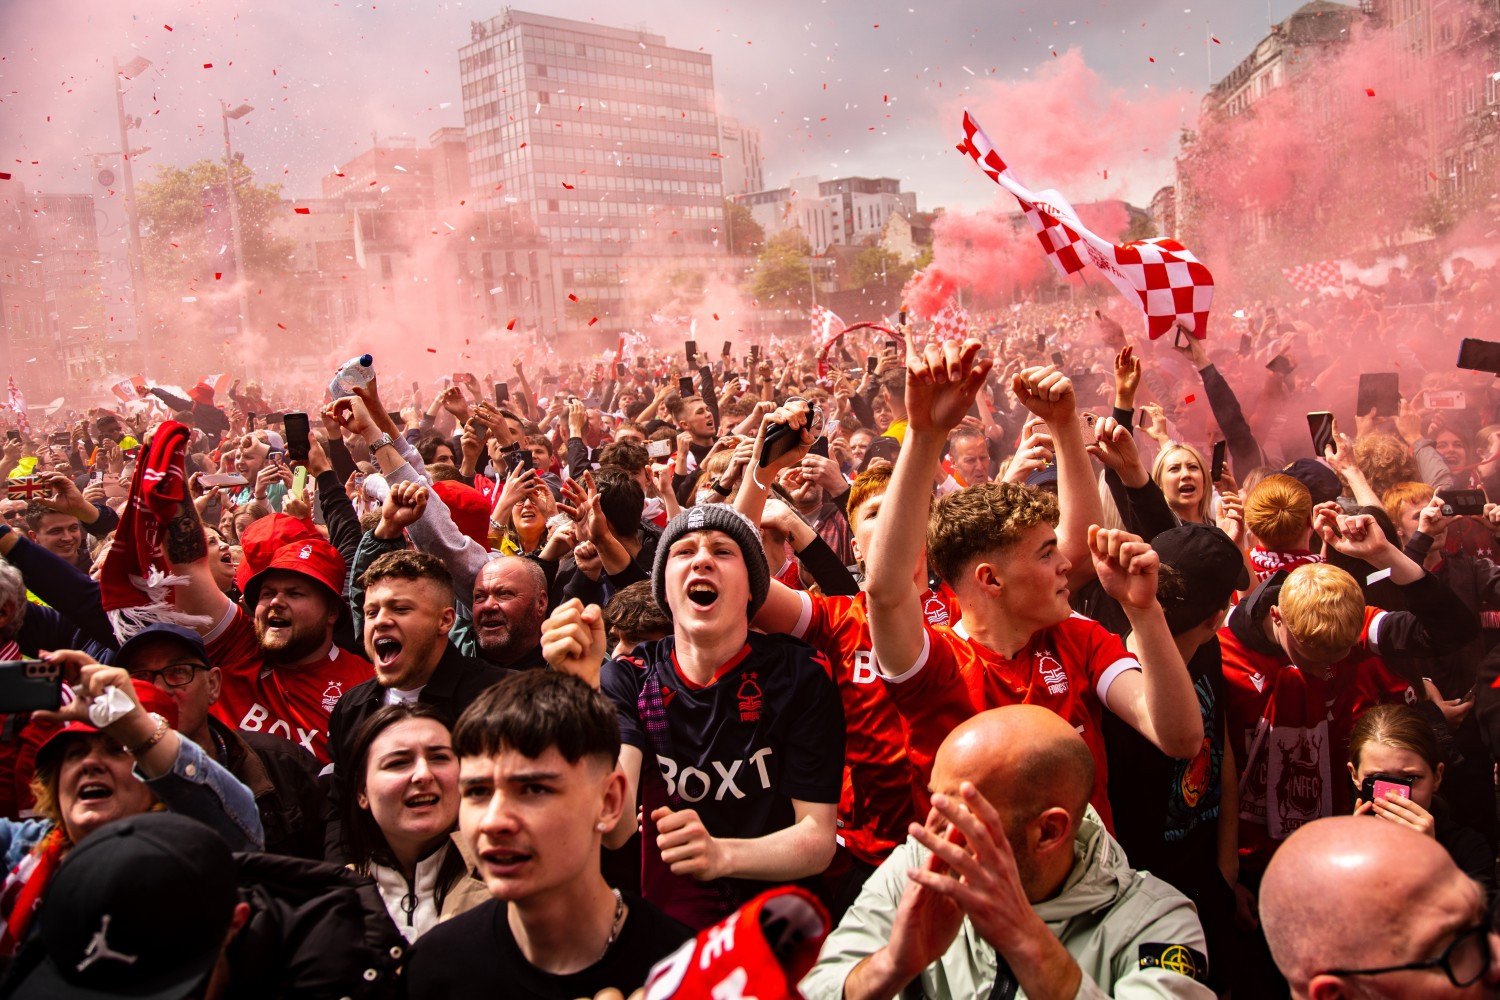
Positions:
{"x": 606, "y": 234}
{"x": 599, "y": 211}
{"x": 547, "y": 42}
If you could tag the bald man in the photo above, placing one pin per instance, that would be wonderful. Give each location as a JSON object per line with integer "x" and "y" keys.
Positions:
{"x": 1013, "y": 888}
{"x": 1349, "y": 908}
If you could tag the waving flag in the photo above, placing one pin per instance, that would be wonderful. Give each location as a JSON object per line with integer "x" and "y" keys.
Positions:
{"x": 826, "y": 325}
{"x": 17, "y": 404}
{"x": 1315, "y": 277}
{"x": 1161, "y": 275}
{"x": 950, "y": 323}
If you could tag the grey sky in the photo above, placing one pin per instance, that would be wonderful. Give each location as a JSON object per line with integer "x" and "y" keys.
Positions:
{"x": 324, "y": 75}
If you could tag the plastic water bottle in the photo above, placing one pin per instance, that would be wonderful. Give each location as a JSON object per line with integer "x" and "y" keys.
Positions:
{"x": 355, "y": 372}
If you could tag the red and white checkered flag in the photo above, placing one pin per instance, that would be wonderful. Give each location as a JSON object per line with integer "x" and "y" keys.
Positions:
{"x": 17, "y": 404}
{"x": 826, "y": 325}
{"x": 1313, "y": 278}
{"x": 950, "y": 323}
{"x": 1160, "y": 275}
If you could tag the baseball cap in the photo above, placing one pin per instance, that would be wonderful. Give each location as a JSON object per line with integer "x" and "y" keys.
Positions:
{"x": 186, "y": 636}
{"x": 1211, "y": 565}
{"x": 139, "y": 909}
{"x": 151, "y": 697}
{"x": 1320, "y": 480}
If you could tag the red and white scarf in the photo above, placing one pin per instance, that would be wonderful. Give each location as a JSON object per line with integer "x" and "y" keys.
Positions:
{"x": 23, "y": 889}
{"x": 1267, "y": 563}
{"x": 135, "y": 582}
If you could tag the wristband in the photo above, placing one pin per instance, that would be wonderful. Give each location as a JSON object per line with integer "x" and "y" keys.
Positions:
{"x": 156, "y": 737}
{"x": 719, "y": 488}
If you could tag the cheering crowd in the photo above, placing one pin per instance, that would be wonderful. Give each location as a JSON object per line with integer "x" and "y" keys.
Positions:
{"x": 1039, "y": 661}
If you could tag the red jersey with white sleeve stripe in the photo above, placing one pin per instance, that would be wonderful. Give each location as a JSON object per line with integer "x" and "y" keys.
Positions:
{"x": 876, "y": 802}
{"x": 291, "y": 702}
{"x": 1067, "y": 667}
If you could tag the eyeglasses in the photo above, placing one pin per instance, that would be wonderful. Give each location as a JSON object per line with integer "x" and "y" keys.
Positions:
{"x": 1464, "y": 961}
{"x": 174, "y": 676}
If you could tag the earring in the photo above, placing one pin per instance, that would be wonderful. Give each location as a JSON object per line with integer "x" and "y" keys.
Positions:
{"x": 601, "y": 826}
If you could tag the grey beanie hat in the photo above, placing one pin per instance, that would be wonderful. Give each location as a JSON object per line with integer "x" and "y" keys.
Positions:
{"x": 714, "y": 517}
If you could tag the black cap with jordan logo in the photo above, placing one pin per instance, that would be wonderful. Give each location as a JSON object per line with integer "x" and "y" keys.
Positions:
{"x": 140, "y": 909}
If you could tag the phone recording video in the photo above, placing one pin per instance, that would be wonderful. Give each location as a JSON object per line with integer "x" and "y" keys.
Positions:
{"x": 30, "y": 686}
{"x": 1320, "y": 426}
{"x": 298, "y": 443}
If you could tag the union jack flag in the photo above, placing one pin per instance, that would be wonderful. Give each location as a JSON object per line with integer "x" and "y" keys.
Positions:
{"x": 27, "y": 488}
{"x": 1160, "y": 275}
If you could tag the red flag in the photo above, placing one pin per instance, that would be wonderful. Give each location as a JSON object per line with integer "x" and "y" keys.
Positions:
{"x": 1161, "y": 275}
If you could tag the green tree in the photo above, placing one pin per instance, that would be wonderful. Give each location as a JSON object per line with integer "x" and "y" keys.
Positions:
{"x": 174, "y": 242}
{"x": 877, "y": 265}
{"x": 782, "y": 278}
{"x": 744, "y": 235}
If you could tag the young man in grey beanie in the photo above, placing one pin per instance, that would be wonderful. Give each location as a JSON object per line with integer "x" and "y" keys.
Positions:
{"x": 746, "y": 730}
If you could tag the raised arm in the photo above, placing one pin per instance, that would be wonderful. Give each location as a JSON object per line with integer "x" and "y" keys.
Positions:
{"x": 186, "y": 550}
{"x": 941, "y": 383}
{"x": 1159, "y": 700}
{"x": 1048, "y": 393}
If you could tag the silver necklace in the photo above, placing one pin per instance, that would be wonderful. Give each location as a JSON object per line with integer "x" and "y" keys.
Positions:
{"x": 614, "y": 927}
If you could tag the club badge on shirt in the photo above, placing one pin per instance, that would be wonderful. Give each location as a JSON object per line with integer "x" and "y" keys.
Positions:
{"x": 750, "y": 699}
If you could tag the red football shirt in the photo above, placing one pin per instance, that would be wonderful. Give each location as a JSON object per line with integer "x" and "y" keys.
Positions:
{"x": 1291, "y": 766}
{"x": 290, "y": 702}
{"x": 876, "y": 803}
{"x": 1067, "y": 668}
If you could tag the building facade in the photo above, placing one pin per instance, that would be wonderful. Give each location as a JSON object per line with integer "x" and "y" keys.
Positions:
{"x": 848, "y": 211}
{"x": 606, "y": 141}
{"x": 742, "y": 167}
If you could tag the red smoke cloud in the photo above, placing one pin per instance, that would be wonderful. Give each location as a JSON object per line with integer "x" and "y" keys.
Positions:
{"x": 1065, "y": 127}
{"x": 1062, "y": 128}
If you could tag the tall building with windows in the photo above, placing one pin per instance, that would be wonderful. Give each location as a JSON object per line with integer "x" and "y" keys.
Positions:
{"x": 743, "y": 167}
{"x": 607, "y": 142}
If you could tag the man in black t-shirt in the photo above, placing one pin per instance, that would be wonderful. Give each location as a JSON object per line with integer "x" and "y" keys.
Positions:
{"x": 746, "y": 731}
{"x": 539, "y": 786}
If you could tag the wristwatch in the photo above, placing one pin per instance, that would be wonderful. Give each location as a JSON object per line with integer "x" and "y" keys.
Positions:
{"x": 719, "y": 488}
{"x": 384, "y": 441}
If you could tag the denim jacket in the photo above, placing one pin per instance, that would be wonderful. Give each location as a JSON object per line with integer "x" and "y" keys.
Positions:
{"x": 197, "y": 786}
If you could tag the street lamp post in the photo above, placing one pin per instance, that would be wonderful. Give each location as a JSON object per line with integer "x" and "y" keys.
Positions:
{"x": 242, "y": 286}
{"x": 130, "y": 71}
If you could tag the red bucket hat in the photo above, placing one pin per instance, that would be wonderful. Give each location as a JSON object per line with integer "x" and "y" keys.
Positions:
{"x": 315, "y": 558}
{"x": 470, "y": 510}
{"x": 262, "y": 539}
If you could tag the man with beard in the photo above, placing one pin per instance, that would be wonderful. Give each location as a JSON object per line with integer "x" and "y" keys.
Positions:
{"x": 509, "y": 604}
{"x": 283, "y": 674}
{"x": 502, "y": 624}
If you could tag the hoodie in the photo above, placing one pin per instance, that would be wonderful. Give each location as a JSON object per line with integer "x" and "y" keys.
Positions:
{"x": 1132, "y": 934}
